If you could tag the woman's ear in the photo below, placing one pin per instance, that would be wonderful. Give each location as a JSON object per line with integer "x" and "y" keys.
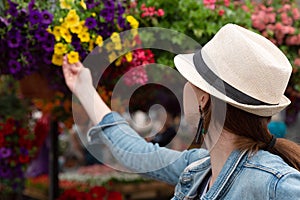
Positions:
{"x": 204, "y": 97}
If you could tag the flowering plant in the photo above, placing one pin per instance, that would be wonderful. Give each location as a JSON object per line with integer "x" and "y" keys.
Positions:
{"x": 25, "y": 42}
{"x": 16, "y": 138}
{"x": 96, "y": 192}
{"x": 78, "y": 27}
{"x": 36, "y": 35}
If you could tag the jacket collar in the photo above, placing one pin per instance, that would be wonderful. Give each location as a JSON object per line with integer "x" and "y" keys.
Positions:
{"x": 230, "y": 167}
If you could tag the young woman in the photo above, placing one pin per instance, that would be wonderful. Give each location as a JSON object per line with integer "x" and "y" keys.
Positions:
{"x": 240, "y": 71}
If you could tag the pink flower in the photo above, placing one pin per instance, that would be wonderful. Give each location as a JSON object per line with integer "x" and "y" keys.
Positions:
{"x": 143, "y": 7}
{"x": 245, "y": 8}
{"x": 160, "y": 12}
{"x": 210, "y": 4}
{"x": 136, "y": 75}
{"x": 271, "y": 17}
{"x": 296, "y": 13}
{"x": 259, "y": 25}
{"x": 133, "y": 4}
{"x": 293, "y": 40}
{"x": 226, "y": 3}
{"x": 151, "y": 11}
{"x": 269, "y": 9}
{"x": 297, "y": 62}
{"x": 144, "y": 14}
{"x": 286, "y": 20}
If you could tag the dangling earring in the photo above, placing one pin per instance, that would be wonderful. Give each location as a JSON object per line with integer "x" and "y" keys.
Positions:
{"x": 200, "y": 130}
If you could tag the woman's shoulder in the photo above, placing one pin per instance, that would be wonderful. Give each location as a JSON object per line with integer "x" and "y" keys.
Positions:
{"x": 269, "y": 163}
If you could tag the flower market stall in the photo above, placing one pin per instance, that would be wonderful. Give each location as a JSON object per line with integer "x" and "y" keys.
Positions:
{"x": 40, "y": 156}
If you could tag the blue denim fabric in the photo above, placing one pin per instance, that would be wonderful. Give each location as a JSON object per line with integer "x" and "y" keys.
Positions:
{"x": 244, "y": 176}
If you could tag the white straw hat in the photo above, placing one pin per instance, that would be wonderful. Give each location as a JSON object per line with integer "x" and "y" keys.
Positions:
{"x": 241, "y": 68}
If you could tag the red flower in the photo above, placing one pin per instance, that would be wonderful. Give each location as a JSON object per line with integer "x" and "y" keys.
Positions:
{"x": 221, "y": 12}
{"x": 2, "y": 140}
{"x": 22, "y": 132}
{"x": 98, "y": 192}
{"x": 23, "y": 158}
{"x": 8, "y": 127}
{"x": 114, "y": 196}
{"x": 71, "y": 194}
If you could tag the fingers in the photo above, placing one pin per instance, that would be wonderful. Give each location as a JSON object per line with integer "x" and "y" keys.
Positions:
{"x": 71, "y": 68}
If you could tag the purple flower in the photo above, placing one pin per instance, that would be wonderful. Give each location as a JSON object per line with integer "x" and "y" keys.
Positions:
{"x": 47, "y": 58}
{"x": 22, "y": 18}
{"x": 90, "y": 22}
{"x": 13, "y": 41}
{"x": 121, "y": 8}
{"x": 29, "y": 59}
{"x": 5, "y": 152}
{"x": 13, "y": 11}
{"x": 14, "y": 66}
{"x": 46, "y": 17}
{"x": 5, "y": 172}
{"x": 91, "y": 4}
{"x": 109, "y": 4}
{"x": 35, "y": 17}
{"x": 43, "y": 26}
{"x": 83, "y": 54}
{"x": 31, "y": 5}
{"x": 104, "y": 30}
{"x": 76, "y": 43}
{"x": 107, "y": 14}
{"x": 121, "y": 22}
{"x": 41, "y": 34}
{"x": 3, "y": 22}
{"x": 13, "y": 53}
{"x": 48, "y": 46}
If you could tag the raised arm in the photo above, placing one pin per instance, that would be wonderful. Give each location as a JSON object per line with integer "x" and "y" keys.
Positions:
{"x": 131, "y": 150}
{"x": 78, "y": 78}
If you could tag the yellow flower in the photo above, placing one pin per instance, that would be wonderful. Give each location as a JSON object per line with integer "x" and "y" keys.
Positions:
{"x": 76, "y": 29}
{"x": 56, "y": 32}
{"x": 72, "y": 19}
{"x": 60, "y": 49}
{"x": 118, "y": 46}
{"x": 49, "y": 30}
{"x": 73, "y": 57}
{"x": 118, "y": 62}
{"x": 109, "y": 46}
{"x": 99, "y": 41}
{"x": 66, "y": 34}
{"x": 61, "y": 20}
{"x": 84, "y": 37}
{"x": 94, "y": 14}
{"x": 132, "y": 21}
{"x": 84, "y": 28}
{"x": 112, "y": 57}
{"x": 57, "y": 59}
{"x": 66, "y": 4}
{"x": 134, "y": 32}
{"x": 115, "y": 37}
{"x": 83, "y": 5}
{"x": 91, "y": 46}
{"x": 128, "y": 56}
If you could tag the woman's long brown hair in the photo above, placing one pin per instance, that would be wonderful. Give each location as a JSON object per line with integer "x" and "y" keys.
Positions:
{"x": 254, "y": 133}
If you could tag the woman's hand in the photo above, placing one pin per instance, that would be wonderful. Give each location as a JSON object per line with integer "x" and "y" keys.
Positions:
{"x": 79, "y": 79}
{"x": 77, "y": 76}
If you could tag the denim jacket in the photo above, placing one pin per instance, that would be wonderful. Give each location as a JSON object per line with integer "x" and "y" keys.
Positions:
{"x": 244, "y": 176}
